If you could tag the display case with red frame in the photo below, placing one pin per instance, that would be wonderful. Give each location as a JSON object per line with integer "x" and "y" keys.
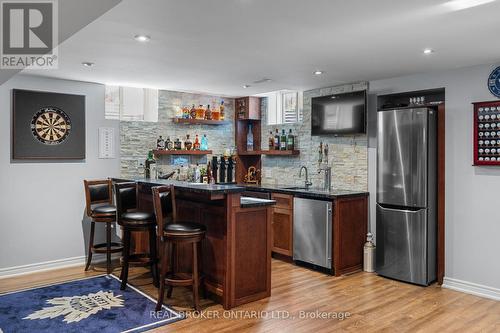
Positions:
{"x": 487, "y": 133}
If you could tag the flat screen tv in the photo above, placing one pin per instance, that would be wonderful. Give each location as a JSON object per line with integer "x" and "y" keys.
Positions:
{"x": 339, "y": 114}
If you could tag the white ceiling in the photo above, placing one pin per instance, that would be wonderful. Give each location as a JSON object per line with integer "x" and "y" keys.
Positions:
{"x": 217, "y": 46}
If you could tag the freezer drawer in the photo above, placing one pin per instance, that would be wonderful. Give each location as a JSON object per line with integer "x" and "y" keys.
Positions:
{"x": 312, "y": 231}
{"x": 402, "y": 245}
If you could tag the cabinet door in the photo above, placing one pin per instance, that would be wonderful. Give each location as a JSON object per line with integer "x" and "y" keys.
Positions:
{"x": 282, "y": 231}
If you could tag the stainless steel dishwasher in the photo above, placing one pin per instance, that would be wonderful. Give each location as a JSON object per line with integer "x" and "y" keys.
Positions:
{"x": 312, "y": 232}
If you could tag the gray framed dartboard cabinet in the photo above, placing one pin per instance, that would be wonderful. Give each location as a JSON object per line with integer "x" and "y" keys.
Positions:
{"x": 47, "y": 126}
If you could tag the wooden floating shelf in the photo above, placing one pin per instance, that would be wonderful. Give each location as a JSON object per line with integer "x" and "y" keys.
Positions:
{"x": 199, "y": 121}
{"x": 182, "y": 152}
{"x": 270, "y": 152}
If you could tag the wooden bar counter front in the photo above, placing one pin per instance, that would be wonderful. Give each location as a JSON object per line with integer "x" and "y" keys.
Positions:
{"x": 236, "y": 254}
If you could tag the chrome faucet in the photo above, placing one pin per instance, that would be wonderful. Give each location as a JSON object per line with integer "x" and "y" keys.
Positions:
{"x": 307, "y": 182}
{"x": 327, "y": 184}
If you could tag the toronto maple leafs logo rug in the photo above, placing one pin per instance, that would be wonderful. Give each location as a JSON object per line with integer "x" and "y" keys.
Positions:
{"x": 87, "y": 305}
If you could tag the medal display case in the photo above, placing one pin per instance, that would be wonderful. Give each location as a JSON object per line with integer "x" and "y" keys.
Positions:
{"x": 487, "y": 133}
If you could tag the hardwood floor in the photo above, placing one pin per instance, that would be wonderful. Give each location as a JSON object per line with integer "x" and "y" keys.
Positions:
{"x": 375, "y": 304}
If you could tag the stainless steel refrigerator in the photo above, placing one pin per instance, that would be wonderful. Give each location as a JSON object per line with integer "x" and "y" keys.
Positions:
{"x": 406, "y": 195}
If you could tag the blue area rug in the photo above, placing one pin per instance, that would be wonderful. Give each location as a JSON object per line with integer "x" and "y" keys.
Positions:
{"x": 89, "y": 305}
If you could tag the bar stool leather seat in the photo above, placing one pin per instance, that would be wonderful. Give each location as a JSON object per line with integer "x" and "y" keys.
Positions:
{"x": 138, "y": 217}
{"x": 184, "y": 227}
{"x": 104, "y": 210}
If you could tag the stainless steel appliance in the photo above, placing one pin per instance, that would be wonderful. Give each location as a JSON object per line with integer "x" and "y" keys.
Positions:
{"x": 406, "y": 195}
{"x": 312, "y": 232}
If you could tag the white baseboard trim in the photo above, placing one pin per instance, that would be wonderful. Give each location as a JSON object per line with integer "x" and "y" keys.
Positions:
{"x": 49, "y": 265}
{"x": 472, "y": 288}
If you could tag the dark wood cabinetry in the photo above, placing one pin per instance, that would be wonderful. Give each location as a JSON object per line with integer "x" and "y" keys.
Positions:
{"x": 282, "y": 224}
{"x": 247, "y": 117}
{"x": 248, "y": 108}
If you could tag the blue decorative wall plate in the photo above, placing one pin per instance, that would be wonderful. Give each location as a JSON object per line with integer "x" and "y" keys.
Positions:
{"x": 494, "y": 82}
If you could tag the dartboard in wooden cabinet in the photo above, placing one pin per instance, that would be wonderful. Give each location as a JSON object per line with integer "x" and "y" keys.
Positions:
{"x": 51, "y": 125}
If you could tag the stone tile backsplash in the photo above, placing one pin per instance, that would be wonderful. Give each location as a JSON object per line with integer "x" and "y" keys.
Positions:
{"x": 138, "y": 137}
{"x": 347, "y": 155}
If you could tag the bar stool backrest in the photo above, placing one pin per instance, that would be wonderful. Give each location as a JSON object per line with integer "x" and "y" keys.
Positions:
{"x": 126, "y": 198}
{"x": 164, "y": 205}
{"x": 96, "y": 192}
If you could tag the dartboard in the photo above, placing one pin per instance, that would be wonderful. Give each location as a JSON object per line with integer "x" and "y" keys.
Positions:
{"x": 50, "y": 125}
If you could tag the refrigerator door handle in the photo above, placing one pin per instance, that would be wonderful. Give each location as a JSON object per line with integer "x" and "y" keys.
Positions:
{"x": 405, "y": 210}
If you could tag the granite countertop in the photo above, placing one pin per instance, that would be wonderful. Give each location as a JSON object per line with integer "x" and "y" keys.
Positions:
{"x": 311, "y": 192}
{"x": 247, "y": 202}
{"x": 191, "y": 187}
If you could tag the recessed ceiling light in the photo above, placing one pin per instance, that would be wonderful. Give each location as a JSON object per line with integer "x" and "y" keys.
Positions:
{"x": 87, "y": 64}
{"x": 318, "y": 72}
{"x": 246, "y": 86}
{"x": 142, "y": 38}
{"x": 428, "y": 51}
{"x": 464, "y": 4}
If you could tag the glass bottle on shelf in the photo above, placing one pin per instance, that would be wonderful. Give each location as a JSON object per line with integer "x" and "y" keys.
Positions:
{"x": 200, "y": 112}
{"x": 250, "y": 138}
{"x": 192, "y": 112}
{"x": 179, "y": 112}
{"x": 290, "y": 141}
{"x": 204, "y": 142}
{"x": 277, "y": 140}
{"x": 188, "y": 144}
{"x": 177, "y": 144}
{"x": 208, "y": 113}
{"x": 283, "y": 140}
{"x": 169, "y": 144}
{"x": 221, "y": 110}
{"x": 160, "y": 143}
{"x": 216, "y": 113}
{"x": 196, "y": 145}
{"x": 271, "y": 140}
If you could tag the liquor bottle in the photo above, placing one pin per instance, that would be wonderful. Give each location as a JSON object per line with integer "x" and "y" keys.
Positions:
{"x": 197, "y": 174}
{"x": 185, "y": 112}
{"x": 177, "y": 144}
{"x": 230, "y": 164}
{"x": 160, "y": 143}
{"x": 169, "y": 144}
{"x": 188, "y": 144}
{"x": 208, "y": 113}
{"x": 216, "y": 113}
{"x": 283, "y": 140}
{"x": 149, "y": 165}
{"x": 200, "y": 112}
{"x": 204, "y": 142}
{"x": 271, "y": 140}
{"x": 290, "y": 141}
{"x": 192, "y": 112}
{"x": 209, "y": 173}
{"x": 215, "y": 167}
{"x": 320, "y": 159}
{"x": 196, "y": 145}
{"x": 277, "y": 140}
{"x": 179, "y": 112}
{"x": 222, "y": 170}
{"x": 250, "y": 138}
{"x": 221, "y": 110}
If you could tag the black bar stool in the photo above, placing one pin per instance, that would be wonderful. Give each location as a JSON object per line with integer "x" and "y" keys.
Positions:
{"x": 100, "y": 208}
{"x": 173, "y": 232}
{"x": 131, "y": 219}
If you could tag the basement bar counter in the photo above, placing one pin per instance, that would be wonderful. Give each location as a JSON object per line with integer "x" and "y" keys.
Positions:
{"x": 236, "y": 253}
